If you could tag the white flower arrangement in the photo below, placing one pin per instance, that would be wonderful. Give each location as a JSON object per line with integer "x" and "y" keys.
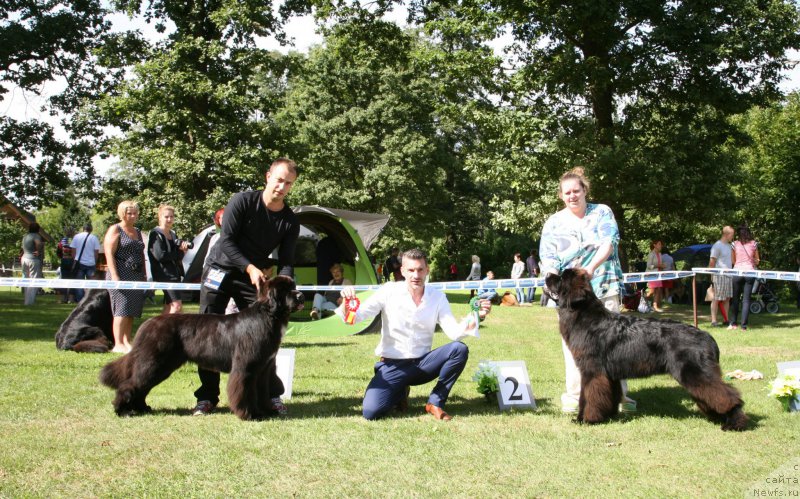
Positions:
{"x": 486, "y": 377}
{"x": 786, "y": 388}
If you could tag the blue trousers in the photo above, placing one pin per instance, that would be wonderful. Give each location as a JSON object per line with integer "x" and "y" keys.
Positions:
{"x": 392, "y": 377}
{"x": 742, "y": 286}
{"x": 83, "y": 272}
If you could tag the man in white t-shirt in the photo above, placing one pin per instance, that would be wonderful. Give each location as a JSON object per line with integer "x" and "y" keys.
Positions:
{"x": 86, "y": 248}
{"x": 721, "y": 258}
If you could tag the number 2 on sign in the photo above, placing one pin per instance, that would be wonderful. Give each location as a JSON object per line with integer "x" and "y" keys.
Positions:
{"x": 516, "y": 394}
{"x": 515, "y": 385}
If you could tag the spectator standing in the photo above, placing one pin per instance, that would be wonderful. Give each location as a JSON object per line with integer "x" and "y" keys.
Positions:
{"x": 391, "y": 267}
{"x": 32, "y": 254}
{"x": 453, "y": 271}
{"x": 745, "y": 257}
{"x": 798, "y": 283}
{"x": 474, "y": 273}
{"x": 669, "y": 264}
{"x": 124, "y": 248}
{"x": 86, "y": 247}
{"x": 721, "y": 258}
{"x": 67, "y": 256}
{"x": 654, "y": 264}
{"x": 532, "y": 266}
{"x": 517, "y": 269}
{"x": 166, "y": 252}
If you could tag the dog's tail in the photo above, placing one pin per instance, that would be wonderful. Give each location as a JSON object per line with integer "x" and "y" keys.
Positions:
{"x": 91, "y": 346}
{"x": 114, "y": 373}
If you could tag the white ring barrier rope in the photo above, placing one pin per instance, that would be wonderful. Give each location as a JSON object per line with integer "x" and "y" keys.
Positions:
{"x": 445, "y": 286}
{"x": 777, "y": 275}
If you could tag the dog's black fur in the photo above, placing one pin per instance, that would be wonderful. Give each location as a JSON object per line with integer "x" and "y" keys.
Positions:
{"x": 609, "y": 347}
{"x": 243, "y": 344}
{"x": 89, "y": 327}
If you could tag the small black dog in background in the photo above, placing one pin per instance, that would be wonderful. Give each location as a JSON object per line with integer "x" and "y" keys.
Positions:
{"x": 88, "y": 327}
{"x": 610, "y": 347}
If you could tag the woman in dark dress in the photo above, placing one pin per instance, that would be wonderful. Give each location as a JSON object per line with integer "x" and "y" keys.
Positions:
{"x": 166, "y": 257}
{"x": 124, "y": 249}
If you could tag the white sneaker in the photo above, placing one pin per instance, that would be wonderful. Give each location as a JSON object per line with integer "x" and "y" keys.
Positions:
{"x": 569, "y": 406}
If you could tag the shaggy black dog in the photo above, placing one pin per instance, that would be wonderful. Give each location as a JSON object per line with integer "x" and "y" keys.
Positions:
{"x": 243, "y": 344}
{"x": 609, "y": 347}
{"x": 88, "y": 327}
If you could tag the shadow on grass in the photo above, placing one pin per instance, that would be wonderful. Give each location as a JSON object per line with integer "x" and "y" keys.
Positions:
{"x": 332, "y": 406}
{"x": 326, "y": 407}
{"x": 787, "y": 317}
{"x": 291, "y": 344}
{"x": 672, "y": 402}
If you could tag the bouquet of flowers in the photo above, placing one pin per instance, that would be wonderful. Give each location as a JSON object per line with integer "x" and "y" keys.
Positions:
{"x": 486, "y": 377}
{"x": 786, "y": 388}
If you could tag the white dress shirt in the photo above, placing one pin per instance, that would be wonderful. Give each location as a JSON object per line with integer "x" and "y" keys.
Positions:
{"x": 407, "y": 329}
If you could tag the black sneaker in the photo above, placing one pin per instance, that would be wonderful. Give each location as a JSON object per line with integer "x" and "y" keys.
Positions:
{"x": 203, "y": 408}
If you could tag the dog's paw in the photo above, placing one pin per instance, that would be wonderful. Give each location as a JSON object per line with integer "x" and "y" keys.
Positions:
{"x": 735, "y": 421}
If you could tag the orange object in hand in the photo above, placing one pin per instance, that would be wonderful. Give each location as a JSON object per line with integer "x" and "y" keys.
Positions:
{"x": 350, "y": 308}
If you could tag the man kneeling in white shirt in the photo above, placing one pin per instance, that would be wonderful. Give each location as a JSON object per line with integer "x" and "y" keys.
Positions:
{"x": 409, "y": 314}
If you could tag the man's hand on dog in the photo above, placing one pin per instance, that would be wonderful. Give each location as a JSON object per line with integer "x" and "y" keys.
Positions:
{"x": 257, "y": 278}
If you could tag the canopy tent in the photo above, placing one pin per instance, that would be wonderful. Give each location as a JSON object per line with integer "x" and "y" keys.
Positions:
{"x": 696, "y": 255}
{"x": 327, "y": 236}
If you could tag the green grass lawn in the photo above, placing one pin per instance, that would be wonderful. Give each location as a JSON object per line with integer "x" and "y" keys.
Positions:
{"x": 60, "y": 436}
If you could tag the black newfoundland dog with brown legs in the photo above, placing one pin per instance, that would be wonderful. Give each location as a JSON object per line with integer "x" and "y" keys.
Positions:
{"x": 243, "y": 344}
{"x": 609, "y": 347}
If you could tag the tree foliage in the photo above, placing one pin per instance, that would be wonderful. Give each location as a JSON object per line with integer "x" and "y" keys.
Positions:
{"x": 426, "y": 124}
{"x": 639, "y": 93}
{"x": 374, "y": 132}
{"x": 771, "y": 187}
{"x": 49, "y": 44}
{"x": 197, "y": 114}
{"x": 69, "y": 213}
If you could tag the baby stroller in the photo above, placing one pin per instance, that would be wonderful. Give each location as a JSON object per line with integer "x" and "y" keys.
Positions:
{"x": 634, "y": 300}
{"x": 763, "y": 297}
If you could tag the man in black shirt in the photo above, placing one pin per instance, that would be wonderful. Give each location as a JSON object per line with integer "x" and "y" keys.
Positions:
{"x": 255, "y": 223}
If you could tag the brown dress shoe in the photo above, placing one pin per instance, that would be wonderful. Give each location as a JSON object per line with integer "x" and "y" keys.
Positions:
{"x": 437, "y": 412}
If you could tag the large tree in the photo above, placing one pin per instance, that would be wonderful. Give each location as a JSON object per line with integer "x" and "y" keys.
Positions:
{"x": 196, "y": 113}
{"x": 373, "y": 120}
{"x": 48, "y": 45}
{"x": 639, "y": 92}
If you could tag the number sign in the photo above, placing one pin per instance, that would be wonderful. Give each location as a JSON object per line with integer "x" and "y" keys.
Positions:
{"x": 284, "y": 368}
{"x": 515, "y": 386}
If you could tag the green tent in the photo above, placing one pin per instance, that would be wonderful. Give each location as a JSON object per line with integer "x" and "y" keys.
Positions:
{"x": 327, "y": 236}
{"x": 330, "y": 236}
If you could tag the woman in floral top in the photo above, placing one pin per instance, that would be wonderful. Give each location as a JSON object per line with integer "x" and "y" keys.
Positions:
{"x": 583, "y": 235}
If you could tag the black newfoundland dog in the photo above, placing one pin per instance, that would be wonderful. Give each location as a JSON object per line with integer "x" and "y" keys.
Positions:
{"x": 243, "y": 344}
{"x": 88, "y": 326}
{"x": 610, "y": 347}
